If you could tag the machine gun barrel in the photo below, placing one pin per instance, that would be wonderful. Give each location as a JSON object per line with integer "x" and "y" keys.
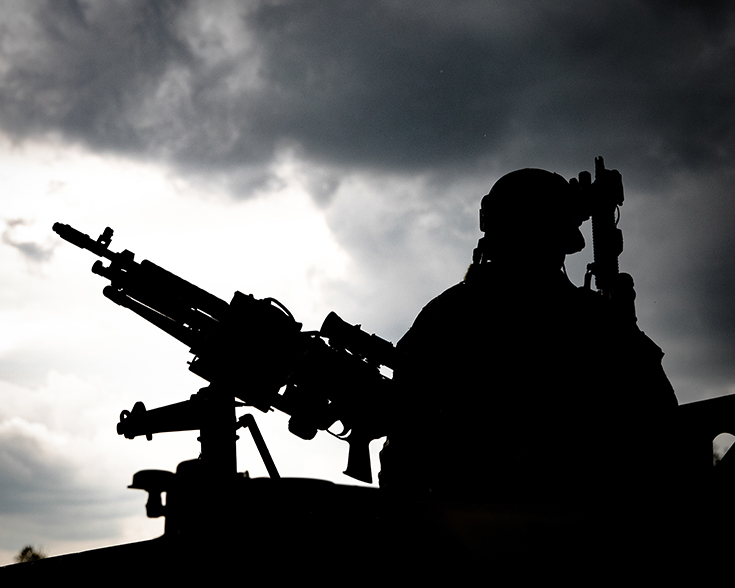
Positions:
{"x": 84, "y": 241}
{"x": 148, "y": 284}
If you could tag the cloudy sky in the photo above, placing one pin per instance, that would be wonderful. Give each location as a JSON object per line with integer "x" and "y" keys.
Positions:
{"x": 332, "y": 155}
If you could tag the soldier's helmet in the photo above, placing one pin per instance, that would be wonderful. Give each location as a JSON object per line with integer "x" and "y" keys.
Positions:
{"x": 532, "y": 208}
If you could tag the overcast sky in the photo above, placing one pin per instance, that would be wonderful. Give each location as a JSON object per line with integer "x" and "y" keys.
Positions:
{"x": 332, "y": 155}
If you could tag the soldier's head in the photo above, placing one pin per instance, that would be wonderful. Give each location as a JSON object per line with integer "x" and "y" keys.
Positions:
{"x": 531, "y": 213}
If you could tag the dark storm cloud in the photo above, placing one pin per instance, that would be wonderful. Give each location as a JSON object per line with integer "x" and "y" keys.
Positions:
{"x": 391, "y": 85}
{"x": 83, "y": 69}
{"x": 376, "y": 84}
{"x": 405, "y": 87}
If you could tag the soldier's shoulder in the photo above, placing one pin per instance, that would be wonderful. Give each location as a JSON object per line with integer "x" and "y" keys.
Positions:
{"x": 437, "y": 312}
{"x": 453, "y": 298}
{"x": 456, "y": 292}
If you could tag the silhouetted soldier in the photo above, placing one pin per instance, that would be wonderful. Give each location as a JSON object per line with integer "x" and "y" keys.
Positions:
{"x": 517, "y": 385}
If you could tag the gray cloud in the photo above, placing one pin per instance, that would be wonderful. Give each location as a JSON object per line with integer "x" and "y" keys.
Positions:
{"x": 31, "y": 251}
{"x": 84, "y": 69}
{"x": 42, "y": 495}
{"x": 380, "y": 85}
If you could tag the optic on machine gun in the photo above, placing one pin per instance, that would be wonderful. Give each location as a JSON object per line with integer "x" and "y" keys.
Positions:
{"x": 371, "y": 348}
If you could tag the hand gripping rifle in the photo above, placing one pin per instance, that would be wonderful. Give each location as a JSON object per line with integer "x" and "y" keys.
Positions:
{"x": 249, "y": 349}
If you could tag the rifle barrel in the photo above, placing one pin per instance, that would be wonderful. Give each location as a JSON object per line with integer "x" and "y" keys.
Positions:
{"x": 83, "y": 241}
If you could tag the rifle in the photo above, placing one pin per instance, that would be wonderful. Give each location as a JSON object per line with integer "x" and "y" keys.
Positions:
{"x": 248, "y": 349}
{"x": 602, "y": 200}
